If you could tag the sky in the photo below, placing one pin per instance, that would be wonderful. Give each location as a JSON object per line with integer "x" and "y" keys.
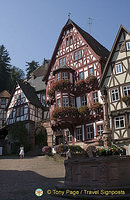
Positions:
{"x": 29, "y": 29}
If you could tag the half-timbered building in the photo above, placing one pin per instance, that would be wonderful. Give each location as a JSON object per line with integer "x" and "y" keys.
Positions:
{"x": 72, "y": 86}
{"x": 4, "y": 98}
{"x": 24, "y": 106}
{"x": 27, "y": 103}
{"x": 115, "y": 85}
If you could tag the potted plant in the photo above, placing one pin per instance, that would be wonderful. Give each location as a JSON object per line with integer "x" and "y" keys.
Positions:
{"x": 80, "y": 85}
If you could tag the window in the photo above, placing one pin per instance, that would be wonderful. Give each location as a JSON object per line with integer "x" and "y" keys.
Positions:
{"x": 71, "y": 40}
{"x": 128, "y": 46}
{"x": 58, "y": 102}
{"x": 3, "y": 101}
{"x": 126, "y": 90}
{"x": 67, "y": 42}
{"x": 58, "y": 76}
{"x": 100, "y": 129}
{"x": 65, "y": 101}
{"x": 83, "y": 101}
{"x": 18, "y": 112}
{"x": 69, "y": 136}
{"x": 77, "y": 55}
{"x": 90, "y": 132}
{"x": 118, "y": 68}
{"x": 22, "y": 110}
{"x": 64, "y": 75}
{"x": 78, "y": 134}
{"x": 115, "y": 94}
{"x": 119, "y": 122}
{"x": 62, "y": 62}
{"x": 95, "y": 97}
{"x": 91, "y": 72}
{"x": 81, "y": 75}
{"x": 36, "y": 112}
{"x": 72, "y": 102}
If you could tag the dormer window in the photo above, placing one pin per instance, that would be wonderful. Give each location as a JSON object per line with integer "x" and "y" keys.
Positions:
{"x": 128, "y": 46}
{"x": 64, "y": 75}
{"x": 62, "y": 62}
{"x": 118, "y": 68}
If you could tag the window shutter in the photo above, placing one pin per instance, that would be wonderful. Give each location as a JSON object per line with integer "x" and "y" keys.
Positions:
{"x": 71, "y": 80}
{"x": 78, "y": 102}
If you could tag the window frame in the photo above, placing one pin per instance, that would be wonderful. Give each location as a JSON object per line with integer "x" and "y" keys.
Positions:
{"x": 79, "y": 135}
{"x": 100, "y": 130}
{"x": 120, "y": 127}
{"x": 77, "y": 55}
{"x": 128, "y": 46}
{"x": 81, "y": 75}
{"x": 64, "y": 104}
{"x": 62, "y": 62}
{"x": 114, "y": 95}
{"x": 83, "y": 100}
{"x": 127, "y": 90}
{"x": 90, "y": 133}
{"x": 95, "y": 98}
{"x": 64, "y": 75}
{"x": 89, "y": 73}
{"x": 117, "y": 71}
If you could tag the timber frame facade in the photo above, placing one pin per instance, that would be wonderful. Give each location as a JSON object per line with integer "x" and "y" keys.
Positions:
{"x": 116, "y": 81}
{"x": 72, "y": 89}
{"x": 4, "y": 98}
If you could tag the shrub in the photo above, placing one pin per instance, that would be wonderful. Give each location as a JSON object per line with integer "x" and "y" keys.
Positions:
{"x": 114, "y": 150}
{"x": 61, "y": 148}
{"x": 76, "y": 149}
{"x": 96, "y": 105}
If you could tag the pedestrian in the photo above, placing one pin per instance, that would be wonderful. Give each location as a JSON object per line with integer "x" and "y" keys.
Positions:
{"x": 68, "y": 154}
{"x": 21, "y": 152}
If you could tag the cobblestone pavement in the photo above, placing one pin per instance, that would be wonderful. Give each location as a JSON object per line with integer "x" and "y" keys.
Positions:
{"x": 19, "y": 178}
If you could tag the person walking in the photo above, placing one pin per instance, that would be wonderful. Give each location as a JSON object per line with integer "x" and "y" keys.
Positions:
{"x": 21, "y": 152}
{"x": 68, "y": 154}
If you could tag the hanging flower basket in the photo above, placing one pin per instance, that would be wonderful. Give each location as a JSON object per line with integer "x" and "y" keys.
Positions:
{"x": 65, "y": 112}
{"x": 84, "y": 111}
{"x": 96, "y": 106}
{"x": 126, "y": 100}
{"x": 80, "y": 85}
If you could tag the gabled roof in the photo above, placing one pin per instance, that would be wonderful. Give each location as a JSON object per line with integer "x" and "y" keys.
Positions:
{"x": 29, "y": 92}
{"x": 5, "y": 94}
{"x": 42, "y": 70}
{"x": 94, "y": 44}
{"x": 122, "y": 28}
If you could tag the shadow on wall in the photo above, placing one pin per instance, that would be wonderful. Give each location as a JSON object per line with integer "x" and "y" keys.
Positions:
{"x": 21, "y": 185}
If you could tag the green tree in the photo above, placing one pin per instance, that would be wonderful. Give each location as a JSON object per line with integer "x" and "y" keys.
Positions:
{"x": 16, "y": 74}
{"x": 31, "y": 67}
{"x": 4, "y": 68}
{"x": 19, "y": 134}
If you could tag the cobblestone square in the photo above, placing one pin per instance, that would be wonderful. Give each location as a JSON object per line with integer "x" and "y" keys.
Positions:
{"x": 19, "y": 178}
